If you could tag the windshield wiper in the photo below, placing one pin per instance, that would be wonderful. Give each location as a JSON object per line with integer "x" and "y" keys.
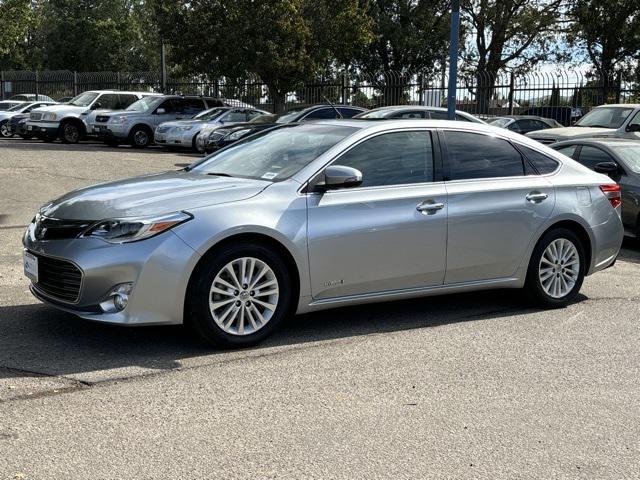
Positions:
{"x": 219, "y": 174}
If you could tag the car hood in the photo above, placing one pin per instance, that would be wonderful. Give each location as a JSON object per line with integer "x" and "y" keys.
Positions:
{"x": 568, "y": 133}
{"x": 62, "y": 109}
{"x": 151, "y": 195}
{"x": 5, "y": 115}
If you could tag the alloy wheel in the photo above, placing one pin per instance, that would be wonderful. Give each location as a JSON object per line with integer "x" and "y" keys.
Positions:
{"x": 71, "y": 133}
{"x": 244, "y": 296}
{"x": 559, "y": 268}
{"x": 141, "y": 138}
{"x": 4, "y": 130}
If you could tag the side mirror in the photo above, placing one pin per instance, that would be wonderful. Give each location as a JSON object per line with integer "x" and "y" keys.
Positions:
{"x": 607, "y": 168}
{"x": 160, "y": 111}
{"x": 96, "y": 106}
{"x": 339, "y": 176}
{"x": 633, "y": 128}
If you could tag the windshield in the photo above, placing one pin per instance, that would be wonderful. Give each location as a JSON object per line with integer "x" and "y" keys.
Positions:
{"x": 16, "y": 108}
{"x": 290, "y": 116}
{"x": 269, "y": 118}
{"x": 84, "y": 99}
{"x": 275, "y": 155}
{"x": 499, "y": 122}
{"x": 630, "y": 155}
{"x": 378, "y": 113}
{"x": 209, "y": 114}
{"x": 605, "y": 117}
{"x": 144, "y": 104}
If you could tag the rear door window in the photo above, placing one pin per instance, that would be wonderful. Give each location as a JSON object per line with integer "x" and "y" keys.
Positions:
{"x": 125, "y": 100}
{"x": 108, "y": 101}
{"x": 473, "y": 155}
{"x": 321, "y": 113}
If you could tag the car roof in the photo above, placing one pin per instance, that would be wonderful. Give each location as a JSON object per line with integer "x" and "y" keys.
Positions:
{"x": 625, "y": 105}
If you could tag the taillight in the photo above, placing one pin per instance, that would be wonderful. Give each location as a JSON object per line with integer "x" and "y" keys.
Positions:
{"x": 612, "y": 192}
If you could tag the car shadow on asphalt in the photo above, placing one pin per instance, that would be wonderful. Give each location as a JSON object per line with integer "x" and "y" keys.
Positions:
{"x": 37, "y": 339}
{"x": 90, "y": 146}
{"x": 630, "y": 250}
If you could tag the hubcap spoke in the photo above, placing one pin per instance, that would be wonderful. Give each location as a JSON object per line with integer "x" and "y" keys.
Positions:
{"x": 237, "y": 305}
{"x": 559, "y": 268}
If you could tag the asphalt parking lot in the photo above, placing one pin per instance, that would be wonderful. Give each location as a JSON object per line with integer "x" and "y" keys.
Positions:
{"x": 467, "y": 386}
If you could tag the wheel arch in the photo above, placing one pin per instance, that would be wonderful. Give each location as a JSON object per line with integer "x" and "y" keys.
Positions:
{"x": 251, "y": 237}
{"x": 582, "y": 233}
{"x": 76, "y": 121}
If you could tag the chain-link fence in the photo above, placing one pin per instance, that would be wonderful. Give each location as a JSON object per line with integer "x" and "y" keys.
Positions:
{"x": 476, "y": 92}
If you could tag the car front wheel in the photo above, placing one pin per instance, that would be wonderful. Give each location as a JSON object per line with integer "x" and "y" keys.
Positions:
{"x": 70, "y": 133}
{"x": 240, "y": 296}
{"x": 140, "y": 137}
{"x": 557, "y": 269}
{"x": 4, "y": 130}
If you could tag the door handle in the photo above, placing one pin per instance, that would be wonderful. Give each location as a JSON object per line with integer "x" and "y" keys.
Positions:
{"x": 429, "y": 207}
{"x": 536, "y": 197}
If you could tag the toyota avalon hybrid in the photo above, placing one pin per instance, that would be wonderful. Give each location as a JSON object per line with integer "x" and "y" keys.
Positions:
{"x": 319, "y": 215}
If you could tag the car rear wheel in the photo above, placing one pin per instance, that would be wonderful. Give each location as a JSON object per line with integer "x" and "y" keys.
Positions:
{"x": 140, "y": 137}
{"x": 557, "y": 269}
{"x": 239, "y": 296}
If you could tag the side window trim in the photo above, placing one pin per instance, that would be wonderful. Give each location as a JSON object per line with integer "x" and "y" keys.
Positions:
{"x": 437, "y": 160}
{"x": 446, "y": 165}
{"x": 529, "y": 164}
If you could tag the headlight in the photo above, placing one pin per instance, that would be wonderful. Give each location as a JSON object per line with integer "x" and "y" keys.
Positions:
{"x": 185, "y": 128}
{"x": 49, "y": 116}
{"x": 119, "y": 119}
{"x": 123, "y": 230}
{"x": 237, "y": 134}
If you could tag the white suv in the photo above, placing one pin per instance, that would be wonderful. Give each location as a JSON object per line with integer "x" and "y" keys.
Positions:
{"x": 68, "y": 121}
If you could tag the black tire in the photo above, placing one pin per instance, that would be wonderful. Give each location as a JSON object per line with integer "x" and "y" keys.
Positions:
{"x": 4, "y": 130}
{"x": 199, "y": 316}
{"x": 70, "y": 132}
{"x": 140, "y": 137}
{"x": 533, "y": 285}
{"x": 194, "y": 144}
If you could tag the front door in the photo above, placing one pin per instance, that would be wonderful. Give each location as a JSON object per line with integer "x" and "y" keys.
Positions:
{"x": 389, "y": 233}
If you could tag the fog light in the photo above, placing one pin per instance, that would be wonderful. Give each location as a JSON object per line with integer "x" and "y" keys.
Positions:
{"x": 117, "y": 298}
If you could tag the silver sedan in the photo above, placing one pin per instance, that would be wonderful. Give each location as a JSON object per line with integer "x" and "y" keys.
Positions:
{"x": 319, "y": 215}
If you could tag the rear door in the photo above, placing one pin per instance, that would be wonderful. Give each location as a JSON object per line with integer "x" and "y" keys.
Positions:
{"x": 494, "y": 206}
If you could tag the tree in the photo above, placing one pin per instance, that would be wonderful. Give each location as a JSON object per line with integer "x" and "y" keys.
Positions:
{"x": 284, "y": 42}
{"x": 97, "y": 35}
{"x": 508, "y": 33}
{"x": 16, "y": 18}
{"x": 609, "y": 32}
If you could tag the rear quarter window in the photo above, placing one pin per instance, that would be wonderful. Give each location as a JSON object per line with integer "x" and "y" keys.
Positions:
{"x": 541, "y": 162}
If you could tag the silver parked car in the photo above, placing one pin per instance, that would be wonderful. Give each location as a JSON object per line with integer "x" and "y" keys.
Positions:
{"x": 318, "y": 215}
{"x": 621, "y": 121}
{"x": 184, "y": 133}
{"x": 407, "y": 112}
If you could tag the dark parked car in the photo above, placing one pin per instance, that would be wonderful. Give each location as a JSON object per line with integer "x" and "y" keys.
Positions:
{"x": 17, "y": 125}
{"x": 298, "y": 114}
{"x": 563, "y": 115}
{"x": 618, "y": 158}
{"x": 406, "y": 112}
{"x": 523, "y": 123}
{"x": 224, "y": 136}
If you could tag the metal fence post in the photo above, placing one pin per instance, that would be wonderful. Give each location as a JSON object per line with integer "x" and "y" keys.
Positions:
{"x": 618, "y": 86}
{"x": 345, "y": 89}
{"x": 512, "y": 82}
{"x": 75, "y": 84}
{"x": 421, "y": 89}
{"x": 37, "y": 85}
{"x": 2, "y": 85}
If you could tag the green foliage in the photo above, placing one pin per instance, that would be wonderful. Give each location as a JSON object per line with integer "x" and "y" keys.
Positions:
{"x": 16, "y": 19}
{"x": 409, "y": 36}
{"x": 609, "y": 32}
{"x": 284, "y": 42}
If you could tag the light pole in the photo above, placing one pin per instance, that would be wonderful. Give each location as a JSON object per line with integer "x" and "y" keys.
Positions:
{"x": 453, "y": 60}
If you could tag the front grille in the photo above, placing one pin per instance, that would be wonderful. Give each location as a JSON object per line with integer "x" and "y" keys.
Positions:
{"x": 102, "y": 118}
{"x": 58, "y": 279}
{"x": 54, "y": 229}
{"x": 163, "y": 129}
{"x": 35, "y": 115}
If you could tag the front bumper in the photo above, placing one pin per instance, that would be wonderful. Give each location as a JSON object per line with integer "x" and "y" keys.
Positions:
{"x": 109, "y": 131}
{"x": 158, "y": 267}
{"x": 175, "y": 137}
{"x": 43, "y": 128}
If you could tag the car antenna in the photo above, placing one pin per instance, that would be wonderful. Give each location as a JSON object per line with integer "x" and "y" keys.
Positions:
{"x": 332, "y": 106}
